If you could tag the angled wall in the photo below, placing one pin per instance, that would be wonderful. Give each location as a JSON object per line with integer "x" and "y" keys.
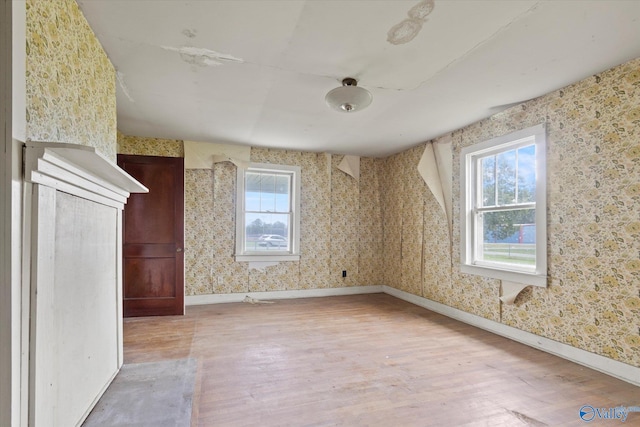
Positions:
{"x": 593, "y": 176}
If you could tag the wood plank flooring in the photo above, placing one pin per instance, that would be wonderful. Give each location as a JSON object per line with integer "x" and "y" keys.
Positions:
{"x": 366, "y": 360}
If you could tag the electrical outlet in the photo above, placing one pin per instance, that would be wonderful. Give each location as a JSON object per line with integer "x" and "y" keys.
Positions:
{"x": 220, "y": 281}
{"x": 344, "y": 273}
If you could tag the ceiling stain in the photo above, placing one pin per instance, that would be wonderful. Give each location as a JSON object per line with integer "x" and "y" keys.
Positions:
{"x": 191, "y": 33}
{"x": 406, "y": 30}
{"x": 202, "y": 57}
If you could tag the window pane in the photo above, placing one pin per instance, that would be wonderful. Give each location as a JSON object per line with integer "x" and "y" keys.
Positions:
{"x": 267, "y": 232}
{"x": 252, "y": 181}
{"x": 252, "y": 191}
{"x": 488, "y": 181}
{"x": 527, "y": 174}
{"x": 283, "y": 183}
{"x": 267, "y": 192}
{"x": 507, "y": 237}
{"x": 506, "y": 173}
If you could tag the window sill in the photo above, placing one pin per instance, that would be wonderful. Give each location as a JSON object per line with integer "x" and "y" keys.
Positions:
{"x": 273, "y": 257}
{"x": 511, "y": 276}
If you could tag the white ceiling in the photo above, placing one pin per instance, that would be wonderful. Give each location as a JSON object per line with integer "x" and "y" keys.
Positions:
{"x": 256, "y": 72}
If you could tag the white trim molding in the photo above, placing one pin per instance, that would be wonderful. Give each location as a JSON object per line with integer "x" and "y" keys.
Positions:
{"x": 472, "y": 208}
{"x": 292, "y": 252}
{"x": 275, "y": 295}
{"x": 10, "y": 373}
{"x": 622, "y": 371}
{"x": 79, "y": 170}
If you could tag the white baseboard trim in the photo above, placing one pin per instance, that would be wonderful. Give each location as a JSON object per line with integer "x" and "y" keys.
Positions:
{"x": 623, "y": 371}
{"x": 272, "y": 295}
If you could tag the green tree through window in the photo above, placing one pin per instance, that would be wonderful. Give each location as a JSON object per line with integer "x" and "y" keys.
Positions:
{"x": 507, "y": 177}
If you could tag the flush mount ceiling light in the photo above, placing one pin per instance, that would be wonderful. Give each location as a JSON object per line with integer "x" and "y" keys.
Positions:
{"x": 348, "y": 98}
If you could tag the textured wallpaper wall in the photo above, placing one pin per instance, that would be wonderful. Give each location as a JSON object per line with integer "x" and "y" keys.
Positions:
{"x": 593, "y": 175}
{"x": 341, "y": 228}
{"x": 70, "y": 82}
{"x": 341, "y": 223}
{"x": 388, "y": 229}
{"x": 149, "y": 146}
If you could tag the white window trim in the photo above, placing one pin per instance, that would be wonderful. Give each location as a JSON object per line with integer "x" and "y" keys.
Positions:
{"x": 467, "y": 200}
{"x": 294, "y": 253}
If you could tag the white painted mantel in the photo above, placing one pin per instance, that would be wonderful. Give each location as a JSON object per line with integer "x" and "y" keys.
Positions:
{"x": 73, "y": 221}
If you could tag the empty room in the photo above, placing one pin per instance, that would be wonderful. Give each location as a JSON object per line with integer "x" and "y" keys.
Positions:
{"x": 320, "y": 213}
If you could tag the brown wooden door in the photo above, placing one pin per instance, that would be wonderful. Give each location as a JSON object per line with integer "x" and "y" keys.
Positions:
{"x": 153, "y": 240}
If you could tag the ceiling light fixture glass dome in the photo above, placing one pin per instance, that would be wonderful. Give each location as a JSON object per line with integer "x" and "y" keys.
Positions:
{"x": 348, "y": 98}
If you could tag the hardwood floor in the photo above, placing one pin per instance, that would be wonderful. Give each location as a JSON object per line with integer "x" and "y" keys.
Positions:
{"x": 366, "y": 360}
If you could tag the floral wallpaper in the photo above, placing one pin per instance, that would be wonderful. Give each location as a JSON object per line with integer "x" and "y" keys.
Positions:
{"x": 593, "y": 297}
{"x": 370, "y": 223}
{"x": 199, "y": 234}
{"x": 330, "y": 238}
{"x": 149, "y": 146}
{"x": 70, "y": 82}
{"x": 315, "y": 221}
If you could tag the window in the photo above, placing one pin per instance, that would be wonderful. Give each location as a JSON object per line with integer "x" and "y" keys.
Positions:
{"x": 268, "y": 213}
{"x": 503, "y": 208}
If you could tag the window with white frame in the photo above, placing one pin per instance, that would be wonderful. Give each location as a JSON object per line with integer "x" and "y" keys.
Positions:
{"x": 503, "y": 207}
{"x": 268, "y": 213}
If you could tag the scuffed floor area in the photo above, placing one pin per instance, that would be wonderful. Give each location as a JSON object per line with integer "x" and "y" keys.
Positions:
{"x": 157, "y": 394}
